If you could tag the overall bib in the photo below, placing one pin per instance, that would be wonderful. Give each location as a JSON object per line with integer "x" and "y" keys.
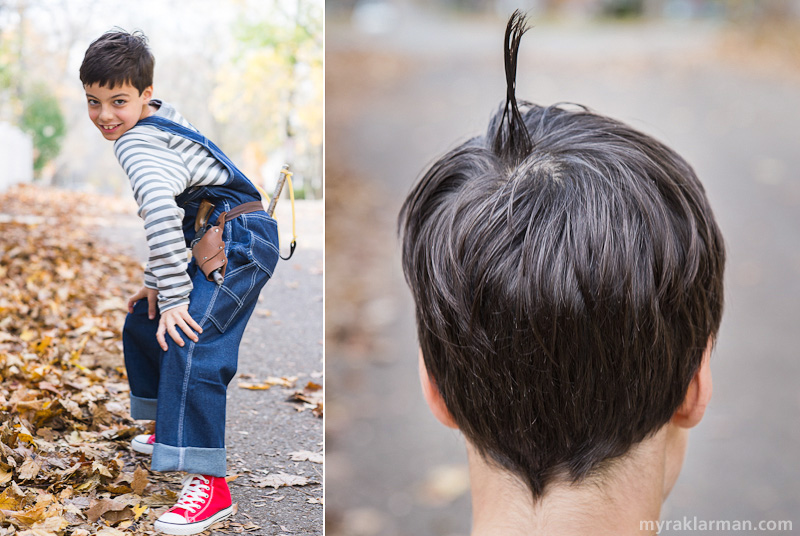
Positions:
{"x": 184, "y": 388}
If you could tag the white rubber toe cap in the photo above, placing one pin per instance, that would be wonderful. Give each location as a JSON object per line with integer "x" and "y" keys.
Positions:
{"x": 140, "y": 444}
{"x": 173, "y": 519}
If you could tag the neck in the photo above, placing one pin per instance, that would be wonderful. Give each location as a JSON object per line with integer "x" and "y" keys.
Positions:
{"x": 631, "y": 491}
{"x": 148, "y": 110}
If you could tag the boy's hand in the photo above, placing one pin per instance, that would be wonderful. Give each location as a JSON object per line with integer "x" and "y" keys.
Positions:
{"x": 177, "y": 316}
{"x": 152, "y": 300}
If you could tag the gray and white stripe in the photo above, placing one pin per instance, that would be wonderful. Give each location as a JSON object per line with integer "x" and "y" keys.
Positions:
{"x": 161, "y": 166}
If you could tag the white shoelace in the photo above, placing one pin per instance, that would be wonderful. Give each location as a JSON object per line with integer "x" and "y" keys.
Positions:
{"x": 193, "y": 494}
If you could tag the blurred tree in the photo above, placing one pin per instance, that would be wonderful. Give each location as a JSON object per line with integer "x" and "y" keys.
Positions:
{"x": 43, "y": 120}
{"x": 9, "y": 74}
{"x": 272, "y": 90}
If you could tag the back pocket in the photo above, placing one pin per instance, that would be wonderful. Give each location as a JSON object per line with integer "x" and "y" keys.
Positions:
{"x": 251, "y": 261}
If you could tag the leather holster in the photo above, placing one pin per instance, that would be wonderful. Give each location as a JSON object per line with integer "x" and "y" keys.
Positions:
{"x": 209, "y": 251}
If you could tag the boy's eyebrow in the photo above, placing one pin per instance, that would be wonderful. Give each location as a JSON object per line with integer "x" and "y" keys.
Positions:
{"x": 111, "y": 97}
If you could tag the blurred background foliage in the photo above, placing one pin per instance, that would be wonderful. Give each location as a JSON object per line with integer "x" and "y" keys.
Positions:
{"x": 248, "y": 73}
{"x": 43, "y": 120}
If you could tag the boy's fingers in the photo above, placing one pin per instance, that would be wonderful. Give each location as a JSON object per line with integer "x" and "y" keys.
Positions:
{"x": 174, "y": 334}
{"x": 187, "y": 330}
{"x": 195, "y": 326}
{"x": 160, "y": 337}
{"x": 151, "y": 307}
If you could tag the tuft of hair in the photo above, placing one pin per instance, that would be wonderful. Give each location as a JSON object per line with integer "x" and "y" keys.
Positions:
{"x": 565, "y": 289}
{"x": 116, "y": 58}
{"x": 511, "y": 140}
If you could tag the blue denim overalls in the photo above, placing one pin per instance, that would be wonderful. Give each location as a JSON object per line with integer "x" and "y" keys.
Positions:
{"x": 184, "y": 389}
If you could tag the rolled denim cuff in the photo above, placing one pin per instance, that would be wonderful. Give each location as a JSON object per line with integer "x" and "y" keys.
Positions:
{"x": 143, "y": 408}
{"x": 198, "y": 460}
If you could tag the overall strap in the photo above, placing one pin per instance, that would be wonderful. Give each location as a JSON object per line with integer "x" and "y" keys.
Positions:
{"x": 176, "y": 128}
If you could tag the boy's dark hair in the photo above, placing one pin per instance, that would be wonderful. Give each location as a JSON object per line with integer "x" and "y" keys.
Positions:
{"x": 567, "y": 272}
{"x": 116, "y": 58}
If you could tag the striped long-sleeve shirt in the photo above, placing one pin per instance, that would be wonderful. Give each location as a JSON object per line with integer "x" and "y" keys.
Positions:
{"x": 160, "y": 167}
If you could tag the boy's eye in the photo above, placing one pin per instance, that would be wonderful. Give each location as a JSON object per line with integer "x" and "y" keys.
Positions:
{"x": 93, "y": 102}
{"x": 119, "y": 102}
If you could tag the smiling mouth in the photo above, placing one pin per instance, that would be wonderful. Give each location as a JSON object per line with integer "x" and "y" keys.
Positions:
{"x": 109, "y": 128}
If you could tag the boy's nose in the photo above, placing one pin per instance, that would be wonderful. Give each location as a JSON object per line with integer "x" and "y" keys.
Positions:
{"x": 105, "y": 114}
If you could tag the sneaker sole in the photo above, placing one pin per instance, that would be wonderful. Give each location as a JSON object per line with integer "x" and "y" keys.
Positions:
{"x": 193, "y": 528}
{"x": 144, "y": 448}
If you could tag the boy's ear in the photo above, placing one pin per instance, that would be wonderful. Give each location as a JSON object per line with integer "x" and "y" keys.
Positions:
{"x": 433, "y": 397}
{"x": 148, "y": 92}
{"x": 698, "y": 395}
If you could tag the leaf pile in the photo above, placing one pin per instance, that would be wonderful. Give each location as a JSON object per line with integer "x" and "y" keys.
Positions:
{"x": 65, "y": 466}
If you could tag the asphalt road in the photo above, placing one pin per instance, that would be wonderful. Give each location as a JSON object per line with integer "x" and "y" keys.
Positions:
{"x": 283, "y": 339}
{"x": 429, "y": 83}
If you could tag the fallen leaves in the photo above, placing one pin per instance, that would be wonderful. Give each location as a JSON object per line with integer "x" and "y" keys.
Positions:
{"x": 64, "y": 421}
{"x": 270, "y": 382}
{"x": 101, "y": 507}
{"x": 305, "y": 455}
{"x": 65, "y": 465}
{"x": 29, "y": 470}
{"x": 140, "y": 481}
{"x": 277, "y": 480}
{"x": 311, "y": 397}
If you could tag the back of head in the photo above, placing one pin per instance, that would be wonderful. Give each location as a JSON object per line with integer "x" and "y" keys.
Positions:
{"x": 117, "y": 58}
{"x": 567, "y": 273}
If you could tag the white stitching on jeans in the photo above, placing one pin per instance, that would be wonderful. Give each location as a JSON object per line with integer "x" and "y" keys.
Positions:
{"x": 184, "y": 390}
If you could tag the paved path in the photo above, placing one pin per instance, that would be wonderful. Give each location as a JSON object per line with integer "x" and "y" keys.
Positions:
{"x": 283, "y": 339}
{"x": 432, "y": 82}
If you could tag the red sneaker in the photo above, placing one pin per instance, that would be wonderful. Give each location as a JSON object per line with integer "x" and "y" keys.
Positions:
{"x": 204, "y": 500}
{"x": 143, "y": 443}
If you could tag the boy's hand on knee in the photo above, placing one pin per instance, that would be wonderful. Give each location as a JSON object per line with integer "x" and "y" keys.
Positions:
{"x": 152, "y": 300}
{"x": 177, "y": 316}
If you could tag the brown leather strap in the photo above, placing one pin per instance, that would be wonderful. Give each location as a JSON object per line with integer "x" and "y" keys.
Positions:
{"x": 244, "y": 208}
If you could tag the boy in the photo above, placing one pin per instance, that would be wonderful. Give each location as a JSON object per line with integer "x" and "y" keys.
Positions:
{"x": 173, "y": 168}
{"x": 567, "y": 273}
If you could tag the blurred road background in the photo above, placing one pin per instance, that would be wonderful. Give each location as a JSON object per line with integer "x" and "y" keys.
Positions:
{"x": 405, "y": 81}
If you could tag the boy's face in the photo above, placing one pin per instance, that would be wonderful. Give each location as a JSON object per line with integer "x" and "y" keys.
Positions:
{"x": 115, "y": 111}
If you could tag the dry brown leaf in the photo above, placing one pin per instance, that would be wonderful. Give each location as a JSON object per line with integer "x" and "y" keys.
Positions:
{"x": 284, "y": 381}
{"x": 140, "y": 481}
{"x": 254, "y": 386}
{"x": 11, "y": 497}
{"x": 111, "y": 531}
{"x": 31, "y": 515}
{"x": 277, "y": 480}
{"x": 29, "y": 469}
{"x": 311, "y": 399}
{"x": 99, "y": 507}
{"x": 115, "y": 516}
{"x": 37, "y": 532}
{"x": 305, "y": 455}
{"x": 52, "y": 524}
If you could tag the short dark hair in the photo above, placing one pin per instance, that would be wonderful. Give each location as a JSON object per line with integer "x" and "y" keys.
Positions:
{"x": 567, "y": 273}
{"x": 116, "y": 58}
